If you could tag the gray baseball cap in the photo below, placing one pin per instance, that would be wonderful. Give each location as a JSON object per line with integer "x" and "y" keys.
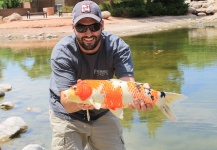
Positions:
{"x": 86, "y": 9}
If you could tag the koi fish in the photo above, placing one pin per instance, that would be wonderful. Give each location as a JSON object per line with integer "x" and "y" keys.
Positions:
{"x": 115, "y": 94}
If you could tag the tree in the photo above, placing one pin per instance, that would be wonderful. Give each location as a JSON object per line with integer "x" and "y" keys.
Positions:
{"x": 11, "y": 3}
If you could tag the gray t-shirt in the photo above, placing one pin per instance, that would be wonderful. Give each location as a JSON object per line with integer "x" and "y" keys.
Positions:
{"x": 69, "y": 64}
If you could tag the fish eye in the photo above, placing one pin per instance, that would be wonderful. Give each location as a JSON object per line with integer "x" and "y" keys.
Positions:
{"x": 74, "y": 87}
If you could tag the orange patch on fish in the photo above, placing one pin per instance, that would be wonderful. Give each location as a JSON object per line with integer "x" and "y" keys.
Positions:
{"x": 113, "y": 96}
{"x": 83, "y": 90}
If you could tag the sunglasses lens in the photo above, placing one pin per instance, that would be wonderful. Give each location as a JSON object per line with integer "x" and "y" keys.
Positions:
{"x": 95, "y": 27}
{"x": 80, "y": 28}
{"x": 83, "y": 28}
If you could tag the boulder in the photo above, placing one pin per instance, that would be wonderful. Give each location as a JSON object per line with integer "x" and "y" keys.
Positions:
{"x": 33, "y": 147}
{"x": 2, "y": 93}
{"x": 106, "y": 14}
{"x": 7, "y": 105}
{"x": 12, "y": 17}
{"x": 10, "y": 127}
{"x": 5, "y": 87}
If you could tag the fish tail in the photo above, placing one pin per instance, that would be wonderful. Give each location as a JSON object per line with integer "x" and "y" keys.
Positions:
{"x": 164, "y": 101}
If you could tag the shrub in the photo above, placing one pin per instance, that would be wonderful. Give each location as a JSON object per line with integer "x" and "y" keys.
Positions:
{"x": 176, "y": 9}
{"x": 129, "y": 11}
{"x": 129, "y": 8}
{"x": 11, "y": 3}
{"x": 104, "y": 6}
{"x": 156, "y": 9}
{"x": 167, "y": 7}
{"x": 67, "y": 9}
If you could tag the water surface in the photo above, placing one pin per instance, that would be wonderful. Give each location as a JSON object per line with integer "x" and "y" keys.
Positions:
{"x": 181, "y": 61}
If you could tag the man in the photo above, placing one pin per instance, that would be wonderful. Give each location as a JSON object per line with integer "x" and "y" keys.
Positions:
{"x": 90, "y": 53}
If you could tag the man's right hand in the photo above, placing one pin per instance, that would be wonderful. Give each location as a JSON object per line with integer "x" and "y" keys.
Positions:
{"x": 72, "y": 107}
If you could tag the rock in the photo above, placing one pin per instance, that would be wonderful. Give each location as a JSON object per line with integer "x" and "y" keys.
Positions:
{"x": 26, "y": 36}
{"x": 7, "y": 105}
{"x": 12, "y": 126}
{"x": 41, "y": 34}
{"x": 34, "y": 109}
{"x": 203, "y": 8}
{"x": 40, "y": 37}
{"x": 13, "y": 17}
{"x": 33, "y": 147}
{"x": 49, "y": 36}
{"x": 197, "y": 5}
{"x": 106, "y": 14}
{"x": 192, "y": 10}
{"x": 5, "y": 87}
{"x": 201, "y": 14}
{"x": 8, "y": 36}
{"x": 2, "y": 93}
{"x": 54, "y": 36}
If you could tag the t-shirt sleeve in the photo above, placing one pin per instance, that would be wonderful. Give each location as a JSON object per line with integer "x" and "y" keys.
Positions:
{"x": 63, "y": 72}
{"x": 122, "y": 59}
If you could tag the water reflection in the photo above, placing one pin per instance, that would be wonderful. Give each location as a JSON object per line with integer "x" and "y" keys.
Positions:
{"x": 181, "y": 61}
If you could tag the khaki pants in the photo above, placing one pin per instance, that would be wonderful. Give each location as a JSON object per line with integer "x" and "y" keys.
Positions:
{"x": 103, "y": 134}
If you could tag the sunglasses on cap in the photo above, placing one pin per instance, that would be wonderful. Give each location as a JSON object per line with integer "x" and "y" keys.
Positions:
{"x": 83, "y": 28}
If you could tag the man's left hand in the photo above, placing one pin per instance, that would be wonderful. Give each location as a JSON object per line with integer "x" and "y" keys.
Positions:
{"x": 140, "y": 105}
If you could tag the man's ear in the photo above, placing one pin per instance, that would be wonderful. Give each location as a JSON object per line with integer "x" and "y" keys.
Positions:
{"x": 102, "y": 24}
{"x": 73, "y": 27}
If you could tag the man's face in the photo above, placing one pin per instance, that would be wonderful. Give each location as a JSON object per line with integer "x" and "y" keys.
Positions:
{"x": 88, "y": 32}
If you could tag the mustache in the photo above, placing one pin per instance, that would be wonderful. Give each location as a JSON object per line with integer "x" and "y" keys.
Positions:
{"x": 89, "y": 37}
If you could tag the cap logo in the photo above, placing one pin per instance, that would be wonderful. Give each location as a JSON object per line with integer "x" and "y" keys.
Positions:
{"x": 85, "y": 8}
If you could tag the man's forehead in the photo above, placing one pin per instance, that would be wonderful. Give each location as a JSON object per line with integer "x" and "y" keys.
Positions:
{"x": 87, "y": 20}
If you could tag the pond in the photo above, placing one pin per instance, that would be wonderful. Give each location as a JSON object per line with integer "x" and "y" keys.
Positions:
{"x": 181, "y": 61}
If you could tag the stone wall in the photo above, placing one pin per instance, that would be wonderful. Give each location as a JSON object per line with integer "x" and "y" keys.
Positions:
{"x": 45, "y": 3}
{"x": 202, "y": 8}
{"x": 8, "y": 12}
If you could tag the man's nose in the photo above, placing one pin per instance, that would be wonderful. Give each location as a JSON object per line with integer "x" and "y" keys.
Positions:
{"x": 88, "y": 32}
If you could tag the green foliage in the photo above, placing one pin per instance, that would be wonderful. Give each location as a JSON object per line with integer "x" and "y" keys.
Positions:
{"x": 1, "y": 3}
{"x": 11, "y": 3}
{"x": 167, "y": 7}
{"x": 129, "y": 8}
{"x": 129, "y": 11}
{"x": 138, "y": 8}
{"x": 66, "y": 9}
{"x": 176, "y": 9}
{"x": 104, "y": 6}
{"x": 156, "y": 9}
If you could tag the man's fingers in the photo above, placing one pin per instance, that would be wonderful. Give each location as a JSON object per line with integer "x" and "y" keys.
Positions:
{"x": 140, "y": 105}
{"x": 137, "y": 104}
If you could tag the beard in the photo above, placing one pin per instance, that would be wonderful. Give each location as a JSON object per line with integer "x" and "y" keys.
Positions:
{"x": 89, "y": 46}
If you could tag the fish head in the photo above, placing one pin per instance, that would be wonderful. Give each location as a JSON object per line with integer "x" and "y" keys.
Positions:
{"x": 79, "y": 92}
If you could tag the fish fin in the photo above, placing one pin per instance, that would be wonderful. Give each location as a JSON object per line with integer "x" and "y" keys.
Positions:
{"x": 164, "y": 101}
{"x": 95, "y": 104}
{"x": 172, "y": 97}
{"x": 88, "y": 115}
{"x": 118, "y": 112}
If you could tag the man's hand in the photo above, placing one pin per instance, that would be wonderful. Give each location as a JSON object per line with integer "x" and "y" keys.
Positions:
{"x": 140, "y": 105}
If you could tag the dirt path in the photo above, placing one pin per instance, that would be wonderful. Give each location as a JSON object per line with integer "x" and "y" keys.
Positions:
{"x": 61, "y": 26}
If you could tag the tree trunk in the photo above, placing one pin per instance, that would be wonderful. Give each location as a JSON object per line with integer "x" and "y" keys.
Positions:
{"x": 111, "y": 3}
